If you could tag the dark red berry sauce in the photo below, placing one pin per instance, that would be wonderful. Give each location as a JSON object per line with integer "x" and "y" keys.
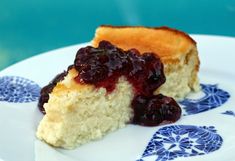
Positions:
{"x": 104, "y": 65}
{"x": 154, "y": 110}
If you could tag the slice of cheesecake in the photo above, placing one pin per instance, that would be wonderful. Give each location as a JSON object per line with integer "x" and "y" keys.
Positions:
{"x": 108, "y": 87}
{"x": 176, "y": 49}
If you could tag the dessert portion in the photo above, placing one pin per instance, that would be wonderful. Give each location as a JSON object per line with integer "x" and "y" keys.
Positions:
{"x": 105, "y": 89}
{"x": 176, "y": 49}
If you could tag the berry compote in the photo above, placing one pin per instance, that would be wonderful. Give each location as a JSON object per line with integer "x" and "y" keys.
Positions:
{"x": 102, "y": 67}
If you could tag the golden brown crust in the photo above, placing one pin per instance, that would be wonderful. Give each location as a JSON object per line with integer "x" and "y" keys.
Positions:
{"x": 156, "y": 28}
{"x": 170, "y": 44}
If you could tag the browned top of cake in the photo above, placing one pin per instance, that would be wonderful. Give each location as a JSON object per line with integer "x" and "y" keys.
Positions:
{"x": 170, "y": 44}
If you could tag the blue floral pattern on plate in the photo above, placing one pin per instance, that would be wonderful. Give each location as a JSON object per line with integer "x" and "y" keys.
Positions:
{"x": 18, "y": 89}
{"x": 230, "y": 113}
{"x": 175, "y": 141}
{"x": 214, "y": 97}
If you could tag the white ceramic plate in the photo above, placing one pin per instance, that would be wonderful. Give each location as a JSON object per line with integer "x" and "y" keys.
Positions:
{"x": 205, "y": 132}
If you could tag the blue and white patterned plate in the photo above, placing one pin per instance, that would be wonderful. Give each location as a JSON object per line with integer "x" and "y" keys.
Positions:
{"x": 204, "y": 132}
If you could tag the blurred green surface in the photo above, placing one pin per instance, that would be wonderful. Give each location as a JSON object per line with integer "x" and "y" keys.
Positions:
{"x": 28, "y": 27}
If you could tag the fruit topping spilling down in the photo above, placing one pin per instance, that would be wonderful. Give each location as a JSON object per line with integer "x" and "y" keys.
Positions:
{"x": 102, "y": 67}
{"x": 155, "y": 109}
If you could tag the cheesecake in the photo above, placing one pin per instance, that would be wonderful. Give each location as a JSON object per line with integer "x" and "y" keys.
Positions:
{"x": 113, "y": 83}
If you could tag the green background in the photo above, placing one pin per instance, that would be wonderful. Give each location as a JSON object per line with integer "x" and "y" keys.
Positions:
{"x": 28, "y": 28}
